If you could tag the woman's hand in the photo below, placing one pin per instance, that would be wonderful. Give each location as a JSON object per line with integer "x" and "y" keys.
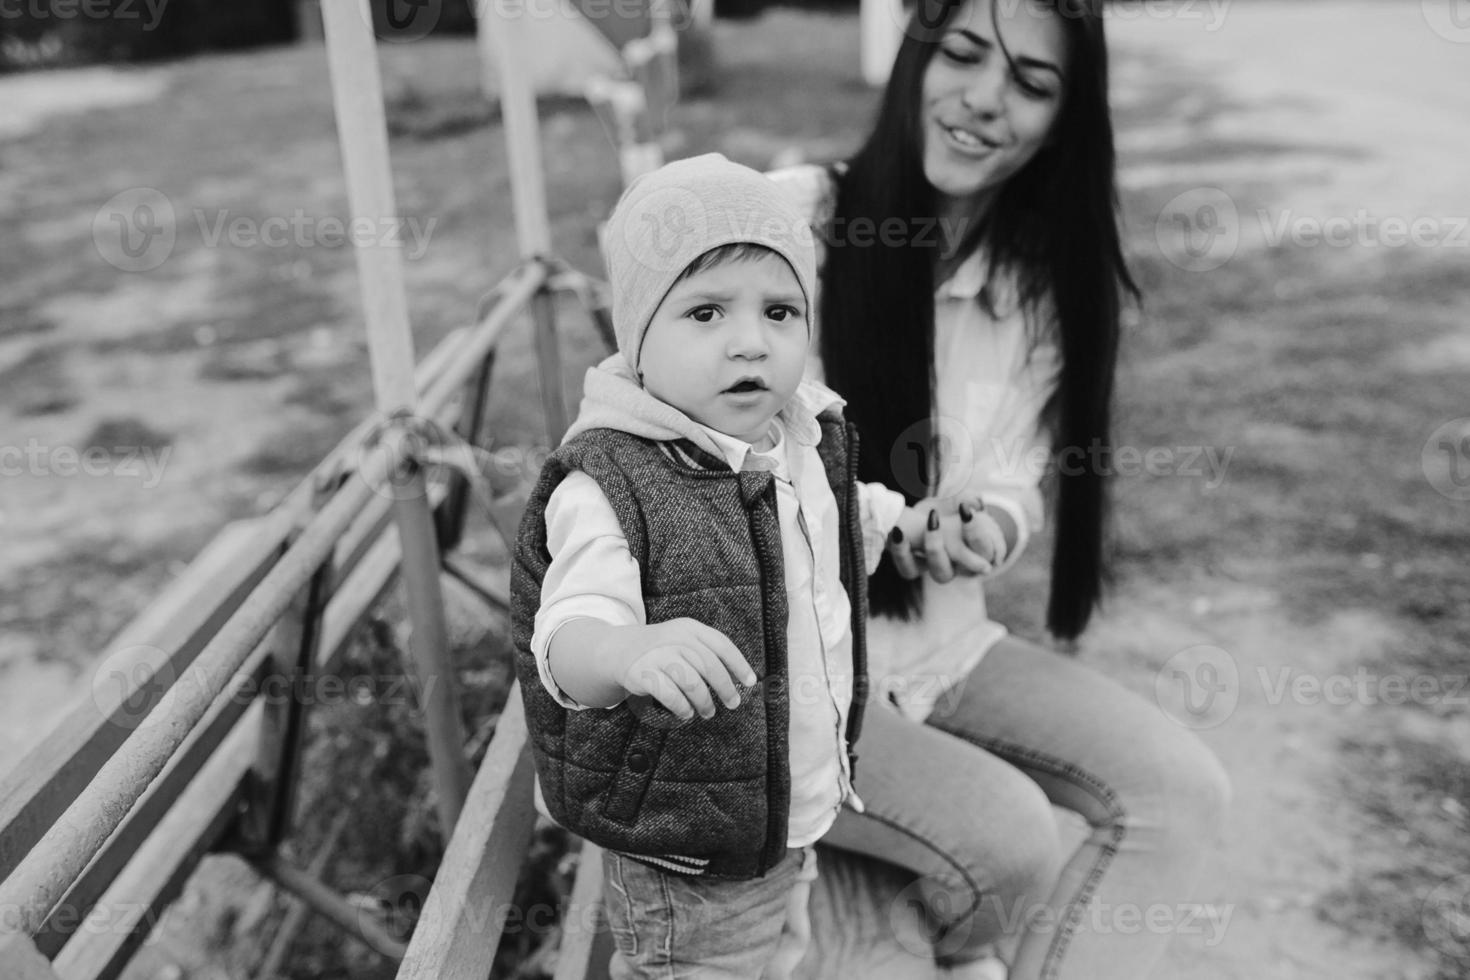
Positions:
{"x": 946, "y": 537}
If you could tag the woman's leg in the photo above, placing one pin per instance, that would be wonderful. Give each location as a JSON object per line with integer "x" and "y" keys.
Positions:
{"x": 1152, "y": 794}
{"x": 980, "y": 835}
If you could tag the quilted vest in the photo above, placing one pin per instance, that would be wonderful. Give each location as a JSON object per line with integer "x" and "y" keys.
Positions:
{"x": 708, "y": 797}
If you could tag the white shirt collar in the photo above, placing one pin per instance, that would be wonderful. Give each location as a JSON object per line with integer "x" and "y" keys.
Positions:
{"x": 967, "y": 279}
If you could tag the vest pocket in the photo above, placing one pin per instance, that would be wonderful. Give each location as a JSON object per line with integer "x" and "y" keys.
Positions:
{"x": 630, "y": 785}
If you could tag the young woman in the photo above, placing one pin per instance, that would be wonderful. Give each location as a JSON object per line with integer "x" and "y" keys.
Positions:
{"x": 962, "y": 344}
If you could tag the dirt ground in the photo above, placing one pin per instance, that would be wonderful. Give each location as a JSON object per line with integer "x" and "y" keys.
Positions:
{"x": 1324, "y": 111}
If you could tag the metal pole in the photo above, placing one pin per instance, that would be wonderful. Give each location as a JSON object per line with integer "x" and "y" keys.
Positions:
{"x": 331, "y": 905}
{"x": 504, "y": 37}
{"x": 357, "y": 91}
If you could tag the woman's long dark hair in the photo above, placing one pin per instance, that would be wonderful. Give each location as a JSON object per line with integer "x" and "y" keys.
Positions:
{"x": 1052, "y": 227}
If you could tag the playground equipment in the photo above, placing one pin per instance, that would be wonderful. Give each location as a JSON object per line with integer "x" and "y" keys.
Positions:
{"x": 112, "y": 812}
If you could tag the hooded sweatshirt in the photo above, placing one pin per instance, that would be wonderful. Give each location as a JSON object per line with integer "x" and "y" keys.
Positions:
{"x": 594, "y": 571}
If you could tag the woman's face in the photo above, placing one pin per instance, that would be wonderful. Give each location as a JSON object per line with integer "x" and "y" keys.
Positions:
{"x": 982, "y": 117}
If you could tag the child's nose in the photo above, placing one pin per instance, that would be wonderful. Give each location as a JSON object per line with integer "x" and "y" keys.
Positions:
{"x": 748, "y": 338}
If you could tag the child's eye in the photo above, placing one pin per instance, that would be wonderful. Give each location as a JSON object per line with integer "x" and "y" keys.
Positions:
{"x": 782, "y": 312}
{"x": 703, "y": 314}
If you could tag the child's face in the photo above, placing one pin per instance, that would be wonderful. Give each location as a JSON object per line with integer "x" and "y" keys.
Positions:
{"x": 727, "y": 346}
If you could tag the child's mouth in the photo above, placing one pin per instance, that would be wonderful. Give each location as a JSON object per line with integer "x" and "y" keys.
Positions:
{"x": 746, "y": 386}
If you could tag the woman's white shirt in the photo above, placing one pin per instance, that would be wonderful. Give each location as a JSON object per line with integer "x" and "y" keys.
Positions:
{"x": 992, "y": 384}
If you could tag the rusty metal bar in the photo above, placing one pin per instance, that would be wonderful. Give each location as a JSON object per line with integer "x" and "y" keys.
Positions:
{"x": 329, "y": 904}
{"x": 450, "y": 517}
{"x": 296, "y": 916}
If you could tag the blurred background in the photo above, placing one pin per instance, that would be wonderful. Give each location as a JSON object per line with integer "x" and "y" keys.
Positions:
{"x": 1292, "y": 505}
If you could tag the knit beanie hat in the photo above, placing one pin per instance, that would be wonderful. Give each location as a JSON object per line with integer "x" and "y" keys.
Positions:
{"x": 668, "y": 218}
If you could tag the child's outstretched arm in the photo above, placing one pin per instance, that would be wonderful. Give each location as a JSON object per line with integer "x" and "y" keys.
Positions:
{"x": 678, "y": 663}
{"x": 591, "y": 640}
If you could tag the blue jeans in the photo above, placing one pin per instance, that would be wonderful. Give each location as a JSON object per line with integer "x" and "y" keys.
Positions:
{"x": 668, "y": 926}
{"x": 965, "y": 801}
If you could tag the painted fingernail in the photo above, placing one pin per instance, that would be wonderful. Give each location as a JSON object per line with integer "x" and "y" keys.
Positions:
{"x": 895, "y": 536}
{"x": 933, "y": 520}
{"x": 966, "y": 513}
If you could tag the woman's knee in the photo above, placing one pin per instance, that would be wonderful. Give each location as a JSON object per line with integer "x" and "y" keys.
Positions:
{"x": 1006, "y": 861}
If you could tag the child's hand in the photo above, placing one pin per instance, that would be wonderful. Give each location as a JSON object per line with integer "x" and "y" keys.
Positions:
{"x": 949, "y": 537}
{"x": 679, "y": 663}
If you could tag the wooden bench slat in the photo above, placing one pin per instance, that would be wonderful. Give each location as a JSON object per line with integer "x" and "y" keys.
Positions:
{"x": 465, "y": 912}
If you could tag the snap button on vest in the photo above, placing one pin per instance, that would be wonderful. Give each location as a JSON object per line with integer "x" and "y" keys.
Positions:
{"x": 638, "y": 762}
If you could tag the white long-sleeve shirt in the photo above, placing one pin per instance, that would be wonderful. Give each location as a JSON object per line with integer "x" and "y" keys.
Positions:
{"x": 592, "y": 574}
{"x": 992, "y": 383}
